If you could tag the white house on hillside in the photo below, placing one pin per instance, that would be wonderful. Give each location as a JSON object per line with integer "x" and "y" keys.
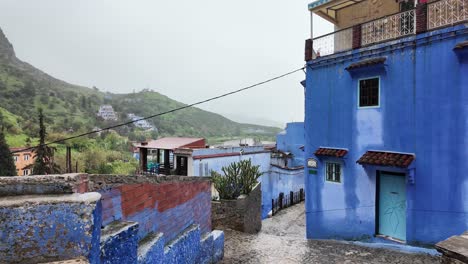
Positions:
{"x": 107, "y": 112}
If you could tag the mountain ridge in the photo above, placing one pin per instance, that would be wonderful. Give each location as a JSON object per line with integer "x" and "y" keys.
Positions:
{"x": 72, "y": 108}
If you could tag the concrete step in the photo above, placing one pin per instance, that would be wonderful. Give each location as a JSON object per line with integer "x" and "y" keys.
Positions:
{"x": 185, "y": 247}
{"x": 151, "y": 249}
{"x": 455, "y": 248}
{"x": 119, "y": 243}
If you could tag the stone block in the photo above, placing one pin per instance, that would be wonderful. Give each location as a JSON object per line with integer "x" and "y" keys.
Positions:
{"x": 206, "y": 249}
{"x": 185, "y": 247}
{"x": 119, "y": 243}
{"x": 243, "y": 214}
{"x": 454, "y": 248}
{"x": 151, "y": 249}
{"x": 49, "y": 228}
{"x": 218, "y": 245}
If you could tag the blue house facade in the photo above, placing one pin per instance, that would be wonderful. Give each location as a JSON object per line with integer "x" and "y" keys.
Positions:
{"x": 282, "y": 166}
{"x": 386, "y": 123}
{"x": 286, "y": 173}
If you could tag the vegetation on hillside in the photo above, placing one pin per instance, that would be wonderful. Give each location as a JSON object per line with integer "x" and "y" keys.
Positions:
{"x": 70, "y": 110}
{"x": 7, "y": 164}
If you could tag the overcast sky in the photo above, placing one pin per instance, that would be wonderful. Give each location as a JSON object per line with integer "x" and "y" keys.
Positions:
{"x": 187, "y": 50}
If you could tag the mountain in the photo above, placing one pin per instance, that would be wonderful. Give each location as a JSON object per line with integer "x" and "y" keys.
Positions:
{"x": 72, "y": 109}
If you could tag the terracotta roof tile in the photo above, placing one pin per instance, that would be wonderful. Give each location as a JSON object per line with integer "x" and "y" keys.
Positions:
{"x": 331, "y": 152}
{"x": 389, "y": 159}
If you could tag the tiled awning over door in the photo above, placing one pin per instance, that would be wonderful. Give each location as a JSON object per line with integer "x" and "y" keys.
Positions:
{"x": 389, "y": 159}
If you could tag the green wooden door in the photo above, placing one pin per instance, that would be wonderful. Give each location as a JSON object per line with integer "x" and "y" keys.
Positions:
{"x": 392, "y": 206}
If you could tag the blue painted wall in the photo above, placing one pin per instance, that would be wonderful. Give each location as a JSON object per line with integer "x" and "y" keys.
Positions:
{"x": 423, "y": 110}
{"x": 279, "y": 180}
{"x": 44, "y": 228}
{"x": 290, "y": 140}
{"x": 274, "y": 180}
{"x": 215, "y": 164}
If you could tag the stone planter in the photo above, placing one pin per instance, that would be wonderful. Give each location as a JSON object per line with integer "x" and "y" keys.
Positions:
{"x": 243, "y": 214}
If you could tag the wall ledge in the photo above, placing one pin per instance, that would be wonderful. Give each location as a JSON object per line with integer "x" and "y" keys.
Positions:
{"x": 17, "y": 201}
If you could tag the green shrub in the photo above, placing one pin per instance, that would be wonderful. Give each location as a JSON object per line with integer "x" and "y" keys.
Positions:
{"x": 239, "y": 178}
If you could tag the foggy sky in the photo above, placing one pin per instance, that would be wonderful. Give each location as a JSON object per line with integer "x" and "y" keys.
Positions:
{"x": 187, "y": 50}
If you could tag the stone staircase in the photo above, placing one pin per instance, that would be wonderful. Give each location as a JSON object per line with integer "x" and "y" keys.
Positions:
{"x": 119, "y": 244}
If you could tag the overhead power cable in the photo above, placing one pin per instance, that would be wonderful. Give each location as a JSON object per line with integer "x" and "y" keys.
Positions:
{"x": 163, "y": 113}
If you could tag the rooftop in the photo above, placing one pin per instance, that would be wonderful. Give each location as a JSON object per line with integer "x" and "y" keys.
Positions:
{"x": 363, "y": 23}
{"x": 172, "y": 143}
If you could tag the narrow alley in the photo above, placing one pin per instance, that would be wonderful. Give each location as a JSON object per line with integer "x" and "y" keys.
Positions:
{"x": 282, "y": 240}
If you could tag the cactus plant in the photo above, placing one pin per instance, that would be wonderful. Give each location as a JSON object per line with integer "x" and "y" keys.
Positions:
{"x": 239, "y": 178}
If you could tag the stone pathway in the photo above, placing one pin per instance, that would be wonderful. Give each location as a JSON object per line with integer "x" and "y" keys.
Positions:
{"x": 282, "y": 240}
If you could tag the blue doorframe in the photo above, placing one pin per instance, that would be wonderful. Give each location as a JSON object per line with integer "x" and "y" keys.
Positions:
{"x": 391, "y": 205}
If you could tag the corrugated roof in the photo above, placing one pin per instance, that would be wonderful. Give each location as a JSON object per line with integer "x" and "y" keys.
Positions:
{"x": 389, "y": 159}
{"x": 172, "y": 143}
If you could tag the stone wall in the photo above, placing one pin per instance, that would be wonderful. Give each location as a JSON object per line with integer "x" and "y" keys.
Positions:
{"x": 166, "y": 204}
{"x": 242, "y": 214}
{"x": 43, "y": 228}
{"x": 144, "y": 219}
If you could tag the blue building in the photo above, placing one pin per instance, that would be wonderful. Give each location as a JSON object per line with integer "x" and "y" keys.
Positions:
{"x": 282, "y": 166}
{"x": 286, "y": 170}
{"x": 386, "y": 121}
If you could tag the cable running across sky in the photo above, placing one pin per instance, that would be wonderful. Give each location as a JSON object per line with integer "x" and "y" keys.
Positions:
{"x": 166, "y": 112}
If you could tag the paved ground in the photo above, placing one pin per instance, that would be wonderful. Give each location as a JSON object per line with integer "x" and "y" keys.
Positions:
{"x": 282, "y": 240}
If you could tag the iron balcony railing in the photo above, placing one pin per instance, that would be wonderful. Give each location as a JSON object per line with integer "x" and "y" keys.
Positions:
{"x": 441, "y": 13}
{"x": 389, "y": 27}
{"x": 446, "y": 12}
{"x": 334, "y": 42}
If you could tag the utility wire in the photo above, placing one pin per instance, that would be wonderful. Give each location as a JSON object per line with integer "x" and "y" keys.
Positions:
{"x": 163, "y": 113}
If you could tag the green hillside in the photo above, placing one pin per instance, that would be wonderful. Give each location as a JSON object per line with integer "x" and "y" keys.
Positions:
{"x": 71, "y": 109}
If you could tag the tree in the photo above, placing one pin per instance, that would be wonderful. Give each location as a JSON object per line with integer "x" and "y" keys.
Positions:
{"x": 44, "y": 163}
{"x": 7, "y": 164}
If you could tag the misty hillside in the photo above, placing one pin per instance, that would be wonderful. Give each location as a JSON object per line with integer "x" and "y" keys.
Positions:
{"x": 72, "y": 109}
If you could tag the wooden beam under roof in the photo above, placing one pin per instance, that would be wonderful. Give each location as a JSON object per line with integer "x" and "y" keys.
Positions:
{"x": 327, "y": 9}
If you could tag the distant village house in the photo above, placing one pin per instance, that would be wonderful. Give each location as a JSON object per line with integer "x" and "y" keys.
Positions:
{"x": 23, "y": 158}
{"x": 106, "y": 112}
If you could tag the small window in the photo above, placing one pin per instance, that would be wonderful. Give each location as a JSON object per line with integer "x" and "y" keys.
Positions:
{"x": 333, "y": 172}
{"x": 369, "y": 92}
{"x": 25, "y": 172}
{"x": 26, "y": 157}
{"x": 15, "y": 158}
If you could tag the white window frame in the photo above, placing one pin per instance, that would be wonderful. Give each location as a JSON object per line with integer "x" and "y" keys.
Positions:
{"x": 25, "y": 172}
{"x": 26, "y": 157}
{"x": 15, "y": 158}
{"x": 341, "y": 172}
{"x": 359, "y": 89}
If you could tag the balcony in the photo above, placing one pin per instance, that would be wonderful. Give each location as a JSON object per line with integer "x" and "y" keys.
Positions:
{"x": 417, "y": 17}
